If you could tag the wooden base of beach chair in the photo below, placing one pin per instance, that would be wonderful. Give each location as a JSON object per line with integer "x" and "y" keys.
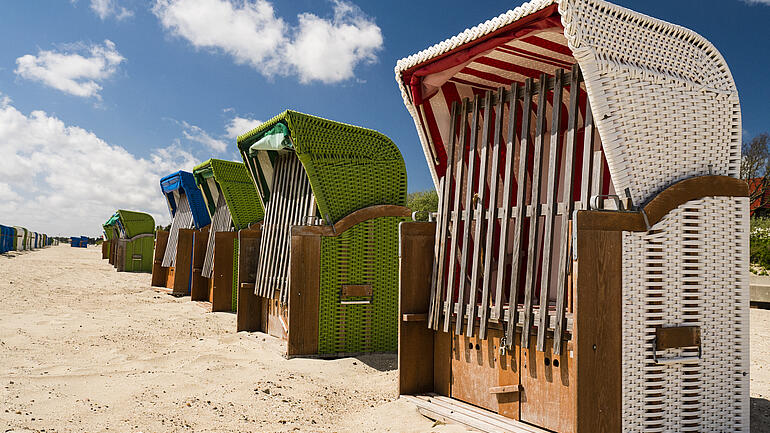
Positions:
{"x": 249, "y": 305}
{"x": 159, "y": 273}
{"x": 199, "y": 290}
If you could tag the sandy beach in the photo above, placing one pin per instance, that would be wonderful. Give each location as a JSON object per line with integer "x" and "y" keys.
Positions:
{"x": 84, "y": 348}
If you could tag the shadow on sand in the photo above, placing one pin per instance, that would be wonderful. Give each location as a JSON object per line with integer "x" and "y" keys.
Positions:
{"x": 760, "y": 415}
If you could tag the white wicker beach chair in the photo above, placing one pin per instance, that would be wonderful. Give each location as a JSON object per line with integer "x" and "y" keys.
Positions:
{"x": 615, "y": 223}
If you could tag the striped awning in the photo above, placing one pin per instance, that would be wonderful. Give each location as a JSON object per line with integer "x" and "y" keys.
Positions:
{"x": 532, "y": 45}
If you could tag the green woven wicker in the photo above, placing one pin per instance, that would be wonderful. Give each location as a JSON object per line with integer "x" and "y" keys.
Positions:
{"x": 349, "y": 167}
{"x": 136, "y": 223}
{"x": 236, "y": 185}
{"x": 367, "y": 253}
{"x": 137, "y": 246}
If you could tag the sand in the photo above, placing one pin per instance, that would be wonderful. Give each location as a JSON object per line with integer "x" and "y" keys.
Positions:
{"x": 84, "y": 348}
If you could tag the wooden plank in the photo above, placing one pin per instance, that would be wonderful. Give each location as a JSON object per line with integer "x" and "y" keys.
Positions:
{"x": 506, "y": 389}
{"x": 455, "y": 219}
{"x": 468, "y": 211}
{"x": 442, "y": 230}
{"x": 222, "y": 277}
{"x": 199, "y": 287}
{"x": 442, "y": 363}
{"x": 159, "y": 273}
{"x": 548, "y": 387}
{"x": 415, "y": 340}
{"x": 531, "y": 269}
{"x": 565, "y": 258}
{"x": 356, "y": 290}
{"x": 598, "y": 329}
{"x": 506, "y": 203}
{"x": 676, "y": 337}
{"x": 550, "y": 208}
{"x": 480, "y": 229}
{"x": 588, "y": 149}
{"x": 249, "y": 308}
{"x": 183, "y": 262}
{"x": 421, "y": 317}
{"x": 597, "y": 176}
{"x": 521, "y": 205}
{"x": 304, "y": 295}
{"x": 489, "y": 245}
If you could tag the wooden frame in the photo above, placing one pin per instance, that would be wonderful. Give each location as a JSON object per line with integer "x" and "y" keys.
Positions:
{"x": 178, "y": 279}
{"x": 294, "y": 323}
{"x": 578, "y": 390}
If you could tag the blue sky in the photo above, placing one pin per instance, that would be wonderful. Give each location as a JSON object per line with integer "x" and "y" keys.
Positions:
{"x": 99, "y": 98}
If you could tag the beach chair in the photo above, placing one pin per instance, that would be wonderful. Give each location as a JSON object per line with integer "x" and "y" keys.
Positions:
{"x": 110, "y": 229}
{"x": 334, "y": 194}
{"x": 133, "y": 241}
{"x": 587, "y": 270}
{"x": 172, "y": 265}
{"x": 235, "y": 210}
{"x": 7, "y": 238}
{"x": 20, "y": 244}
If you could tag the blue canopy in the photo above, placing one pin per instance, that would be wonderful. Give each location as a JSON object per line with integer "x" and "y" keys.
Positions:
{"x": 7, "y": 238}
{"x": 184, "y": 181}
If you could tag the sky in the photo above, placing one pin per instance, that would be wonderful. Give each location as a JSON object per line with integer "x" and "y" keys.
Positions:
{"x": 101, "y": 98}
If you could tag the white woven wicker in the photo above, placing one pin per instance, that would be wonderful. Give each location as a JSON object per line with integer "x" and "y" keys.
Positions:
{"x": 690, "y": 269}
{"x": 666, "y": 108}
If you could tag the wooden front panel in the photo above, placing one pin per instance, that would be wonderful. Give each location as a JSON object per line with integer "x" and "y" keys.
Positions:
{"x": 415, "y": 339}
{"x": 598, "y": 330}
{"x": 199, "y": 287}
{"x": 170, "y": 276}
{"x": 159, "y": 273}
{"x": 478, "y": 369}
{"x": 184, "y": 246}
{"x": 249, "y": 308}
{"x": 304, "y": 294}
{"x": 547, "y": 382}
{"x": 222, "y": 288}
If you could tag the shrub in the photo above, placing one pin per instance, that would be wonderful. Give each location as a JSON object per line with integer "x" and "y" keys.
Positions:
{"x": 422, "y": 202}
{"x": 759, "y": 239}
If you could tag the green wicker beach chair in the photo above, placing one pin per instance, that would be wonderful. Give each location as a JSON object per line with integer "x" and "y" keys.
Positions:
{"x": 334, "y": 196}
{"x": 134, "y": 241}
{"x": 233, "y": 204}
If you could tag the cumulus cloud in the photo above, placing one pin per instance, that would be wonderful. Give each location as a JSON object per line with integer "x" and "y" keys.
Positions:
{"x": 198, "y": 135}
{"x": 63, "y": 180}
{"x": 77, "y": 71}
{"x": 317, "y": 49}
{"x": 757, "y": 2}
{"x": 240, "y": 125}
{"x": 110, "y": 8}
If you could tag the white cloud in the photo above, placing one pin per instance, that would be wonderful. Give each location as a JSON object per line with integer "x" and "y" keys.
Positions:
{"x": 317, "y": 49}
{"x": 107, "y": 8}
{"x": 198, "y": 135}
{"x": 757, "y": 2}
{"x": 240, "y": 125}
{"x": 72, "y": 72}
{"x": 64, "y": 180}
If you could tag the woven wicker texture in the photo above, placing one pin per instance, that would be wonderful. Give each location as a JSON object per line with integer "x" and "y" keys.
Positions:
{"x": 693, "y": 271}
{"x": 367, "y": 253}
{"x": 349, "y": 167}
{"x": 237, "y": 187}
{"x": 665, "y": 103}
{"x": 183, "y": 183}
{"x": 234, "y": 303}
{"x": 135, "y": 223}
